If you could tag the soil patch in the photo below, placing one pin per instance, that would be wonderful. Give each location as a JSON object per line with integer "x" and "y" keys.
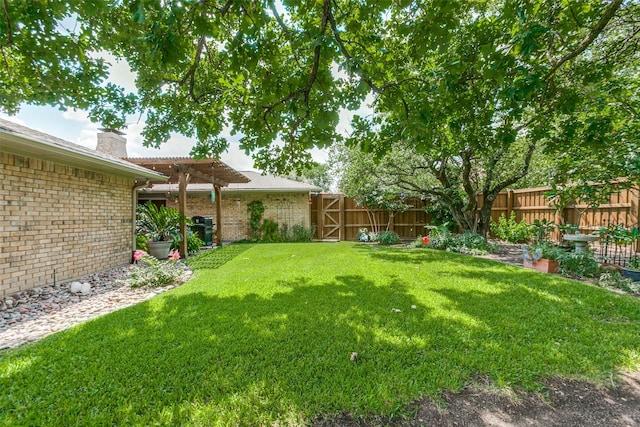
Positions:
{"x": 566, "y": 403}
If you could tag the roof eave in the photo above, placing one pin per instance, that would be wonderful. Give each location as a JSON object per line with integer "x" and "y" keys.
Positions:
{"x": 19, "y": 145}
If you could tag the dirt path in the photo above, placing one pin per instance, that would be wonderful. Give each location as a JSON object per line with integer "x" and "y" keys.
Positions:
{"x": 564, "y": 403}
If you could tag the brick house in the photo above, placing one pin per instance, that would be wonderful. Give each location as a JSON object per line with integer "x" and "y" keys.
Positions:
{"x": 285, "y": 201}
{"x": 65, "y": 210}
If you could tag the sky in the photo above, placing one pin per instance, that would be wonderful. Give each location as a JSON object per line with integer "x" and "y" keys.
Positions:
{"x": 75, "y": 126}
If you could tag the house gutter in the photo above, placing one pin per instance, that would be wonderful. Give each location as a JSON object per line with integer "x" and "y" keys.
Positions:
{"x": 82, "y": 157}
{"x": 134, "y": 205}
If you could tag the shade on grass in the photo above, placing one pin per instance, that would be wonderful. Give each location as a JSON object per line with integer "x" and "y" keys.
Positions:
{"x": 266, "y": 339}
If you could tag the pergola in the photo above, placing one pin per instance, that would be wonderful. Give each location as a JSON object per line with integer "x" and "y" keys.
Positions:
{"x": 185, "y": 170}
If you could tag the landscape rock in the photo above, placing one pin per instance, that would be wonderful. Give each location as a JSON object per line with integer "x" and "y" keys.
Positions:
{"x": 31, "y": 315}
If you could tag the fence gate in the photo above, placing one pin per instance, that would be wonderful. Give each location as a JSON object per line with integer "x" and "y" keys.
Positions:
{"x": 329, "y": 216}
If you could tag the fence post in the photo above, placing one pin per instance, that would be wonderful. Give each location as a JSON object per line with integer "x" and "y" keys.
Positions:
{"x": 510, "y": 196}
{"x": 634, "y": 210}
{"x": 341, "y": 235}
{"x": 319, "y": 215}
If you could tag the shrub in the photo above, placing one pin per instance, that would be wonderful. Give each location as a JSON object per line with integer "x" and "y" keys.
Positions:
{"x": 270, "y": 231}
{"x": 419, "y": 243}
{"x": 141, "y": 242}
{"x": 581, "y": 264}
{"x": 194, "y": 243}
{"x": 510, "y": 230}
{"x": 363, "y": 235}
{"x": 546, "y": 250}
{"x": 468, "y": 242}
{"x": 297, "y": 233}
{"x": 474, "y": 243}
{"x": 388, "y": 238}
{"x": 541, "y": 229}
{"x": 150, "y": 271}
{"x": 613, "y": 279}
{"x": 441, "y": 238}
{"x": 302, "y": 233}
{"x": 255, "y": 209}
{"x": 159, "y": 223}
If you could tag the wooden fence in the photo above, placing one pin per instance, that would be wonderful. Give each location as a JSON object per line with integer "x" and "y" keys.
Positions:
{"x": 338, "y": 218}
{"x": 531, "y": 204}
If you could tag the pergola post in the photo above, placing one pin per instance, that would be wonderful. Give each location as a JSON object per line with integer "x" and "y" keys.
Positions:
{"x": 216, "y": 188}
{"x": 182, "y": 208}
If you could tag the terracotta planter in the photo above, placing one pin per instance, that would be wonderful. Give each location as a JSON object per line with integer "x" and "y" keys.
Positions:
{"x": 543, "y": 264}
{"x": 159, "y": 250}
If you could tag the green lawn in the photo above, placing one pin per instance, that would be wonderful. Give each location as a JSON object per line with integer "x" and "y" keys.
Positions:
{"x": 266, "y": 339}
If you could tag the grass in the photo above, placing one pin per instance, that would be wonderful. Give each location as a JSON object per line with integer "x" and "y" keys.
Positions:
{"x": 266, "y": 338}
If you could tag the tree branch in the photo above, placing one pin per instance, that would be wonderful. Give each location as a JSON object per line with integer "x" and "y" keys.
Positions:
{"x": 5, "y": 10}
{"x": 313, "y": 75}
{"x": 609, "y": 12}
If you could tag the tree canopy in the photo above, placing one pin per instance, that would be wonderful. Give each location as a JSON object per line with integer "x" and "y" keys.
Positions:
{"x": 460, "y": 81}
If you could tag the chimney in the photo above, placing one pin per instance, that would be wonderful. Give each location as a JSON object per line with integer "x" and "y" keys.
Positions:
{"x": 113, "y": 143}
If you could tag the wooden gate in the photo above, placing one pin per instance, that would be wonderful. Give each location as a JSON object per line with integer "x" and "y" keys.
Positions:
{"x": 327, "y": 214}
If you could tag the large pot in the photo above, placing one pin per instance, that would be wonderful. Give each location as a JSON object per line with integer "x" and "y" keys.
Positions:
{"x": 631, "y": 274}
{"x": 543, "y": 264}
{"x": 160, "y": 249}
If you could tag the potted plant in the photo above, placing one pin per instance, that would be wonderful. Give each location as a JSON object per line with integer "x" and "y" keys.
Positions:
{"x": 542, "y": 257}
{"x": 161, "y": 226}
{"x": 632, "y": 269}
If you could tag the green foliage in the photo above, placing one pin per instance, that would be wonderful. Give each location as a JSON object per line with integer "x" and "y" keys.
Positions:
{"x": 318, "y": 174}
{"x": 512, "y": 231}
{"x": 141, "y": 242}
{"x": 580, "y": 264}
{"x": 470, "y": 242}
{"x": 541, "y": 229}
{"x": 200, "y": 66}
{"x": 613, "y": 279}
{"x": 543, "y": 249}
{"x": 388, "y": 238}
{"x": 265, "y": 339}
{"x": 442, "y": 238}
{"x": 297, "y": 233}
{"x": 255, "y": 210}
{"x": 151, "y": 271}
{"x": 588, "y": 194}
{"x": 194, "y": 243}
{"x": 159, "y": 223}
{"x": 440, "y": 215}
{"x": 568, "y": 228}
{"x": 633, "y": 263}
{"x": 269, "y": 231}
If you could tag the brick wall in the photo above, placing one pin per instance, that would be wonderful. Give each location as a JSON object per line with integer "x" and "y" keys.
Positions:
{"x": 57, "y": 217}
{"x": 283, "y": 208}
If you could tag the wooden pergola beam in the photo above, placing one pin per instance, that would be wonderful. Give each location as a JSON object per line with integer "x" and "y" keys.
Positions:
{"x": 183, "y": 180}
{"x": 202, "y": 176}
{"x": 218, "y": 193}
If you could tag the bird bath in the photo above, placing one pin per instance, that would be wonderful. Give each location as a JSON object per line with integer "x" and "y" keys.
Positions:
{"x": 581, "y": 240}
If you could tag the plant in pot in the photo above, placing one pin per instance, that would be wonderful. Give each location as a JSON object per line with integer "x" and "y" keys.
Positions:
{"x": 161, "y": 226}
{"x": 543, "y": 257}
{"x": 632, "y": 269}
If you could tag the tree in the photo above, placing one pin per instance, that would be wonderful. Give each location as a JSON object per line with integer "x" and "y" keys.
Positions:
{"x": 455, "y": 78}
{"x": 477, "y": 107}
{"x": 318, "y": 174}
{"x": 372, "y": 184}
